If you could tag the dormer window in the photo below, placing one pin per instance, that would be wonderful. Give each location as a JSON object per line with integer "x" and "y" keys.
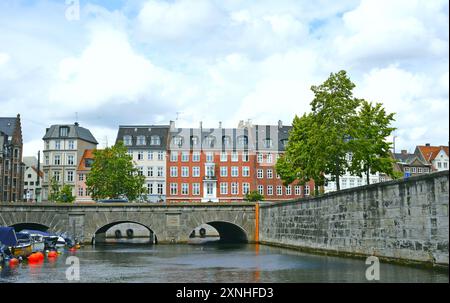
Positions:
{"x": 284, "y": 142}
{"x": 140, "y": 140}
{"x": 155, "y": 140}
{"x": 194, "y": 140}
{"x": 127, "y": 140}
{"x": 177, "y": 141}
{"x": 210, "y": 141}
{"x": 63, "y": 131}
{"x": 267, "y": 143}
{"x": 226, "y": 140}
{"x": 242, "y": 140}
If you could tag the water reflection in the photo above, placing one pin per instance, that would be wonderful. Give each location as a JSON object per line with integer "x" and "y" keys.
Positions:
{"x": 211, "y": 262}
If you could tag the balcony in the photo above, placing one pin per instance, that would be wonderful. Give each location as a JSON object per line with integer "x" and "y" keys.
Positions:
{"x": 210, "y": 178}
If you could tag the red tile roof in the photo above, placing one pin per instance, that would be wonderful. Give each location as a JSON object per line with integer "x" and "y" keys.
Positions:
{"x": 88, "y": 154}
{"x": 431, "y": 152}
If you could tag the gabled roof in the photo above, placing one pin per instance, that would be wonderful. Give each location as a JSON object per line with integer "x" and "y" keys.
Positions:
{"x": 7, "y": 125}
{"x": 430, "y": 153}
{"x": 88, "y": 154}
{"x": 40, "y": 173}
{"x": 75, "y": 132}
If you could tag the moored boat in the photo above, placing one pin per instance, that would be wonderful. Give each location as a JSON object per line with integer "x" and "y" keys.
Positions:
{"x": 23, "y": 247}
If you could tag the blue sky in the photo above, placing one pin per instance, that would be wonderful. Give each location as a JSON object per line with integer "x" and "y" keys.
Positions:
{"x": 142, "y": 61}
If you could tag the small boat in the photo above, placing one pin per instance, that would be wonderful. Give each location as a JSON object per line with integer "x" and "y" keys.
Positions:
{"x": 37, "y": 239}
{"x": 23, "y": 247}
{"x": 7, "y": 239}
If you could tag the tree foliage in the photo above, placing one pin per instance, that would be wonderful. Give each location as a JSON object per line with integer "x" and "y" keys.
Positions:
{"x": 254, "y": 196}
{"x": 113, "y": 175}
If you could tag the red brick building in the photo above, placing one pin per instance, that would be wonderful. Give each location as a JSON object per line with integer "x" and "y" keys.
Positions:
{"x": 223, "y": 164}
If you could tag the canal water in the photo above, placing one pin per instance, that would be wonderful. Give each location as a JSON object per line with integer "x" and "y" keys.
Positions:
{"x": 125, "y": 262}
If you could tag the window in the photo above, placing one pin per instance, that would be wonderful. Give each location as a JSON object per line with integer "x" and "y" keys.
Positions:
{"x": 245, "y": 188}
{"x": 269, "y": 158}
{"x": 209, "y": 157}
{"x": 63, "y": 131}
{"x": 71, "y": 144}
{"x": 261, "y": 189}
{"x": 413, "y": 169}
{"x": 445, "y": 164}
{"x": 70, "y": 160}
{"x": 234, "y": 157}
{"x": 245, "y": 157}
{"x": 150, "y": 155}
{"x": 224, "y": 171}
{"x": 426, "y": 170}
{"x": 259, "y": 158}
{"x": 185, "y": 171}
{"x": 406, "y": 169}
{"x": 269, "y": 190}
{"x": 226, "y": 140}
{"x": 196, "y": 171}
{"x": 234, "y": 188}
{"x": 359, "y": 181}
{"x": 80, "y": 191}
{"x": 81, "y": 177}
{"x": 160, "y": 155}
{"x": 194, "y": 140}
{"x": 149, "y": 188}
{"x": 223, "y": 188}
{"x": 196, "y": 157}
{"x": 269, "y": 174}
{"x": 223, "y": 157}
{"x": 439, "y": 164}
{"x": 245, "y": 171}
{"x": 174, "y": 171}
{"x": 70, "y": 176}
{"x": 47, "y": 161}
{"x": 173, "y": 156}
{"x": 242, "y": 140}
{"x": 140, "y": 155}
{"x": 149, "y": 171}
{"x": 306, "y": 190}
{"x": 155, "y": 140}
{"x": 268, "y": 143}
{"x": 419, "y": 170}
{"x": 57, "y": 144}
{"x": 57, "y": 160}
{"x": 47, "y": 144}
{"x": 259, "y": 174}
{"x": 210, "y": 171}
{"x": 127, "y": 140}
{"x": 298, "y": 190}
{"x": 25, "y": 183}
{"x": 160, "y": 172}
{"x": 140, "y": 140}
{"x": 279, "y": 190}
{"x": 140, "y": 170}
{"x": 196, "y": 189}
{"x": 160, "y": 188}
{"x": 177, "y": 141}
{"x": 173, "y": 188}
{"x": 210, "y": 141}
{"x": 288, "y": 190}
{"x": 185, "y": 188}
{"x": 235, "y": 171}
{"x": 185, "y": 157}
{"x": 352, "y": 182}
{"x": 130, "y": 153}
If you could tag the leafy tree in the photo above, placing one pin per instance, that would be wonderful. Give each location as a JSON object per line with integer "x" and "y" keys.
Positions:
{"x": 254, "y": 196}
{"x": 334, "y": 110}
{"x": 113, "y": 175}
{"x": 54, "y": 189}
{"x": 65, "y": 195}
{"x": 370, "y": 151}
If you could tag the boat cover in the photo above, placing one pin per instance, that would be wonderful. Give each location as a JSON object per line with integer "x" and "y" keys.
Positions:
{"x": 8, "y": 236}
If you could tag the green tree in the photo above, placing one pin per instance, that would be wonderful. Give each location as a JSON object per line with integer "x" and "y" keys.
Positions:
{"x": 65, "y": 195}
{"x": 113, "y": 175}
{"x": 334, "y": 110}
{"x": 254, "y": 196}
{"x": 54, "y": 190}
{"x": 369, "y": 148}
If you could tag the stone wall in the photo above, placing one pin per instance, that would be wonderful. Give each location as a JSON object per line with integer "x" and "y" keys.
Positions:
{"x": 401, "y": 220}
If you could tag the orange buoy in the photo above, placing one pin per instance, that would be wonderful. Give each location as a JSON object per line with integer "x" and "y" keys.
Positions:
{"x": 40, "y": 256}
{"x": 13, "y": 262}
{"x": 32, "y": 258}
{"x": 52, "y": 254}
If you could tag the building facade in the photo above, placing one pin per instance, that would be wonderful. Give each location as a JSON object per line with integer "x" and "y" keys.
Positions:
{"x": 437, "y": 156}
{"x": 147, "y": 144}
{"x": 411, "y": 164}
{"x": 84, "y": 167}
{"x": 64, "y": 146}
{"x": 11, "y": 165}
{"x": 33, "y": 178}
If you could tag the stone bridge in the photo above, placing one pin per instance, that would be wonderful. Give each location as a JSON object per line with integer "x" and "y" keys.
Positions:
{"x": 169, "y": 223}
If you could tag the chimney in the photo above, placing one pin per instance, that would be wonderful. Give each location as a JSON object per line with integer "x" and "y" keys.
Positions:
{"x": 241, "y": 124}
{"x": 172, "y": 125}
{"x": 404, "y": 151}
{"x": 427, "y": 144}
{"x": 280, "y": 124}
{"x": 220, "y": 124}
{"x": 201, "y": 125}
{"x": 76, "y": 124}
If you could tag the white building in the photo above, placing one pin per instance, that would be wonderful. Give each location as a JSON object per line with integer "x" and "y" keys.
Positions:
{"x": 32, "y": 180}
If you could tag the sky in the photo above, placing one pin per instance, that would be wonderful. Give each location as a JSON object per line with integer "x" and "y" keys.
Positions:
{"x": 117, "y": 62}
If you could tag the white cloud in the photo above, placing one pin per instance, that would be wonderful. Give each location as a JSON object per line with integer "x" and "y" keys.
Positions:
{"x": 4, "y": 58}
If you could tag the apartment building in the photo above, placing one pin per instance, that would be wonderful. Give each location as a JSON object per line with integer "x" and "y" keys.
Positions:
{"x": 437, "y": 156}
{"x": 64, "y": 146}
{"x": 33, "y": 178}
{"x": 147, "y": 144}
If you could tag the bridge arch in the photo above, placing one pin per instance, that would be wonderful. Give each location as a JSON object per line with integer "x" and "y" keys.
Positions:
{"x": 30, "y": 225}
{"x": 102, "y": 229}
{"x": 229, "y": 232}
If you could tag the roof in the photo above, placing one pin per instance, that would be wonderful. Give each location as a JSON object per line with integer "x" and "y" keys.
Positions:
{"x": 88, "y": 154}
{"x": 75, "y": 132}
{"x": 430, "y": 152}
{"x": 147, "y": 131}
{"x": 407, "y": 158}
{"x": 40, "y": 173}
{"x": 7, "y": 125}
